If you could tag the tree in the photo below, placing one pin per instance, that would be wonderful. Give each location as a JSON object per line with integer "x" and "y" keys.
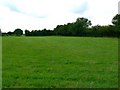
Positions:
{"x": 18, "y": 32}
{"x": 0, "y": 32}
{"x": 77, "y": 28}
{"x": 116, "y": 20}
{"x": 27, "y": 33}
{"x": 10, "y": 33}
{"x": 81, "y": 25}
{"x": 116, "y": 23}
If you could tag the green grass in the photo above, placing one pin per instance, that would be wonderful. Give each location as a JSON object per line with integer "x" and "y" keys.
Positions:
{"x": 60, "y": 62}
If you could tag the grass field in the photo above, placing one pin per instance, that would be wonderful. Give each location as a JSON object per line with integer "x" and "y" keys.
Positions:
{"x": 56, "y": 62}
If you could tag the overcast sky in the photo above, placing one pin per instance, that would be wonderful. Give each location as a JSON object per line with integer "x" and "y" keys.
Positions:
{"x": 40, "y": 14}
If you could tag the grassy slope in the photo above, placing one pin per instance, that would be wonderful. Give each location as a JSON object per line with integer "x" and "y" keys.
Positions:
{"x": 60, "y": 62}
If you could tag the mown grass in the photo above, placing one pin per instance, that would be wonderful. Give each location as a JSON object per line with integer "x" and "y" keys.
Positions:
{"x": 60, "y": 62}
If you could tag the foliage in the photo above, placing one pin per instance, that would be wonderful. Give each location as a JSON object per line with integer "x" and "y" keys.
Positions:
{"x": 73, "y": 29}
{"x": 81, "y": 27}
{"x": 116, "y": 20}
{"x": 18, "y": 32}
{"x": 0, "y": 32}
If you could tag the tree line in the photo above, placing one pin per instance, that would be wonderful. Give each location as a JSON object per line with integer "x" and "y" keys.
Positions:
{"x": 81, "y": 27}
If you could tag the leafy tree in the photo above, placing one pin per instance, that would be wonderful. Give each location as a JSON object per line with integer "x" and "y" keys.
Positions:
{"x": 73, "y": 29}
{"x": 18, "y": 32}
{"x": 10, "y": 33}
{"x": 81, "y": 25}
{"x": 116, "y": 23}
{"x": 116, "y": 20}
{"x": 0, "y": 32}
{"x": 27, "y": 32}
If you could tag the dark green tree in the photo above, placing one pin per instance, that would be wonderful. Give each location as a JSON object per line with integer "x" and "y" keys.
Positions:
{"x": 27, "y": 33}
{"x": 10, "y": 33}
{"x": 81, "y": 25}
{"x": 0, "y": 32}
{"x": 18, "y": 32}
{"x": 116, "y": 23}
{"x": 116, "y": 20}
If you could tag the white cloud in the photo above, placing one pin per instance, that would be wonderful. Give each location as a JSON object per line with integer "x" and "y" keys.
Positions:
{"x": 39, "y": 14}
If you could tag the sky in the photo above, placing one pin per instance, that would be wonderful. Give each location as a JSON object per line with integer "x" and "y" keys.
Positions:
{"x": 40, "y": 14}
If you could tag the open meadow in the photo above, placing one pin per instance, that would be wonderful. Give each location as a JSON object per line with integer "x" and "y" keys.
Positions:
{"x": 59, "y": 62}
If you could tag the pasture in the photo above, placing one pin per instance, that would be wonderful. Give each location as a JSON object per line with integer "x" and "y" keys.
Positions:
{"x": 59, "y": 62}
